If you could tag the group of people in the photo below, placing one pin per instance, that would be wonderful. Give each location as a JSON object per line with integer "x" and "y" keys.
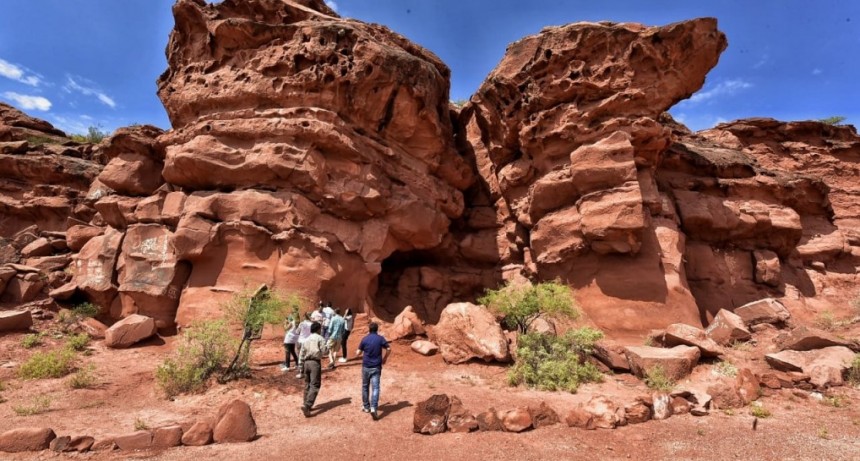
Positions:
{"x": 324, "y": 331}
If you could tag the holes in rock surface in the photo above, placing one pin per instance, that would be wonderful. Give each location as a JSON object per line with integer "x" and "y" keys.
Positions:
{"x": 328, "y": 78}
{"x": 322, "y": 41}
{"x": 547, "y": 54}
{"x": 301, "y": 63}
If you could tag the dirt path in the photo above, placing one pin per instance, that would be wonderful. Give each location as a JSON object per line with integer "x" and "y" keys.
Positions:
{"x": 800, "y": 429}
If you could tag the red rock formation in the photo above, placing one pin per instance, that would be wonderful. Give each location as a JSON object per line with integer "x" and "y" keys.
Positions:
{"x": 332, "y": 135}
{"x": 319, "y": 154}
{"x": 566, "y": 138}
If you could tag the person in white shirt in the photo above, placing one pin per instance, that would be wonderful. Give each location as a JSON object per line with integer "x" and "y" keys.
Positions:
{"x": 291, "y": 338}
{"x": 304, "y": 333}
{"x": 350, "y": 321}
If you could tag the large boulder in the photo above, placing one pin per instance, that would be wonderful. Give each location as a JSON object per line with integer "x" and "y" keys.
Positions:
{"x": 95, "y": 268}
{"x": 78, "y": 235}
{"x": 766, "y": 310}
{"x": 825, "y": 367}
{"x": 542, "y": 415}
{"x": 598, "y": 413}
{"x": 683, "y": 334}
{"x": 150, "y": 275}
{"x": 676, "y": 362}
{"x": 26, "y": 439}
{"x": 235, "y": 423}
{"x": 459, "y": 418}
{"x": 140, "y": 440}
{"x": 805, "y": 338}
{"x": 199, "y": 434}
{"x": 727, "y": 328}
{"x": 424, "y": 347}
{"x": 431, "y": 415}
{"x": 129, "y": 331}
{"x": 167, "y": 437}
{"x": 466, "y": 331}
{"x": 15, "y": 320}
{"x": 405, "y": 325}
{"x": 516, "y": 420}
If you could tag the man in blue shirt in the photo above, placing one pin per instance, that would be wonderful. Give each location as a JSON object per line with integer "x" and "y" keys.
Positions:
{"x": 371, "y": 347}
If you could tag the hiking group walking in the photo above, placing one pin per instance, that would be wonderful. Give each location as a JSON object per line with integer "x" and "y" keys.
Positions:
{"x": 324, "y": 332}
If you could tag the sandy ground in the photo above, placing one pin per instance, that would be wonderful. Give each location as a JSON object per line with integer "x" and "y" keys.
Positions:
{"x": 800, "y": 428}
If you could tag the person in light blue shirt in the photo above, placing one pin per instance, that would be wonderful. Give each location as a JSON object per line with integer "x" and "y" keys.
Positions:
{"x": 336, "y": 331}
{"x": 370, "y": 349}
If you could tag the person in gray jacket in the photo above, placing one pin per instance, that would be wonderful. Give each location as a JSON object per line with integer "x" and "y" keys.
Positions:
{"x": 311, "y": 354}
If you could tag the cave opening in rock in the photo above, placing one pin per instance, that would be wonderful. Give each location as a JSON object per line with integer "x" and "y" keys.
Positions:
{"x": 429, "y": 280}
{"x": 409, "y": 278}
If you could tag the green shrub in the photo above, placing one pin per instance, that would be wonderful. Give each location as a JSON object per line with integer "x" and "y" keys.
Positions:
{"x": 86, "y": 310}
{"x": 40, "y": 404}
{"x": 835, "y": 401}
{"x": 54, "y": 364}
{"x": 726, "y": 369}
{"x": 826, "y": 321}
{"x": 835, "y": 120}
{"x": 83, "y": 378}
{"x": 94, "y": 135}
{"x": 40, "y": 140}
{"x": 656, "y": 378}
{"x": 32, "y": 340}
{"x": 78, "y": 342}
{"x": 522, "y": 304}
{"x": 549, "y": 362}
{"x": 759, "y": 411}
{"x": 140, "y": 425}
{"x": 204, "y": 349}
{"x": 854, "y": 371}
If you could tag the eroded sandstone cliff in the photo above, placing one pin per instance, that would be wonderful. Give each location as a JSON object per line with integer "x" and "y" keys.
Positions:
{"x": 320, "y": 154}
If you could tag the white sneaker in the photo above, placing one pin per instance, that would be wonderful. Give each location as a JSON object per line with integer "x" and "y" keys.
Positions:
{"x": 341, "y": 360}
{"x": 298, "y": 375}
{"x": 285, "y": 368}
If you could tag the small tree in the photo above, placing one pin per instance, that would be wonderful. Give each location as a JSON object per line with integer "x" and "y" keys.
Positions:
{"x": 522, "y": 304}
{"x": 835, "y": 120}
{"x": 253, "y": 311}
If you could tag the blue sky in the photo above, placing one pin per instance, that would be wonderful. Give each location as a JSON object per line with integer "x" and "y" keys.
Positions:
{"x": 94, "y": 62}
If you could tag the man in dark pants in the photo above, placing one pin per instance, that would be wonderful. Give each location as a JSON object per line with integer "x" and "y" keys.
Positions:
{"x": 312, "y": 352}
{"x": 371, "y": 347}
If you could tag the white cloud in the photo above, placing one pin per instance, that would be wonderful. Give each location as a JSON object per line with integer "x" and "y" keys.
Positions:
{"x": 87, "y": 88}
{"x": 107, "y": 100}
{"x": 18, "y": 73}
{"x": 28, "y": 102}
{"x": 69, "y": 124}
{"x": 761, "y": 62}
{"x": 331, "y": 4}
{"x": 727, "y": 88}
{"x": 817, "y": 71}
